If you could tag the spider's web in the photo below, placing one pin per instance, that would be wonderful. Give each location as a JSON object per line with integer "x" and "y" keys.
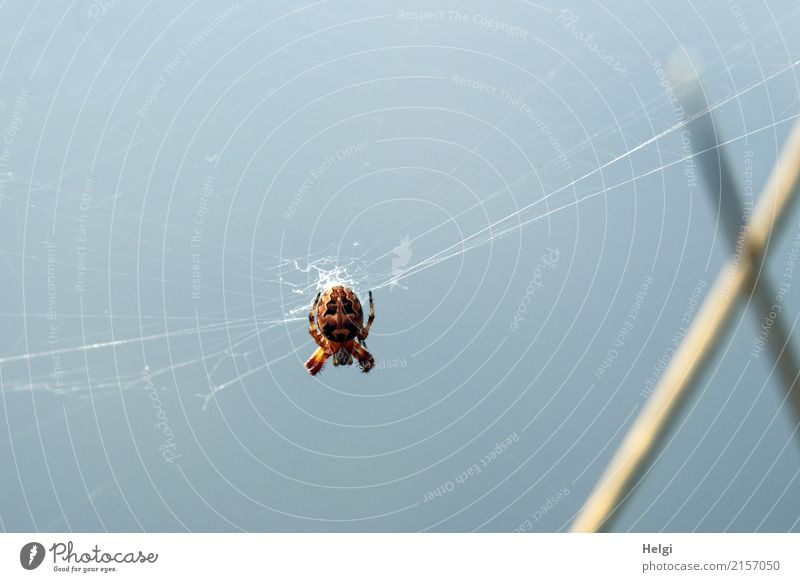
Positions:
{"x": 199, "y": 333}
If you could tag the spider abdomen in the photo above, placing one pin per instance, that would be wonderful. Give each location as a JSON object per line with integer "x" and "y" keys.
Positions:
{"x": 339, "y": 314}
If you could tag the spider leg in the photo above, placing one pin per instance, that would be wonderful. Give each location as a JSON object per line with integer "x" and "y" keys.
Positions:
{"x": 313, "y": 329}
{"x": 365, "y": 359}
{"x": 322, "y": 353}
{"x": 317, "y": 361}
{"x": 364, "y": 331}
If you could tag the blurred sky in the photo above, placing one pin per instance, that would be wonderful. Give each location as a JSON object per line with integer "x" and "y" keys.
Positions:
{"x": 178, "y": 179}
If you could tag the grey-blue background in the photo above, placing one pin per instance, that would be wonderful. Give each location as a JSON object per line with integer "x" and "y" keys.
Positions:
{"x": 178, "y": 179}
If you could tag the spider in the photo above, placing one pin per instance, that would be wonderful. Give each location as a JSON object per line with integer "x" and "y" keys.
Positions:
{"x": 338, "y": 329}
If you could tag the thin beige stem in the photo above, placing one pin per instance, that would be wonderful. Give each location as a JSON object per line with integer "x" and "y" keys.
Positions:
{"x": 697, "y": 347}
